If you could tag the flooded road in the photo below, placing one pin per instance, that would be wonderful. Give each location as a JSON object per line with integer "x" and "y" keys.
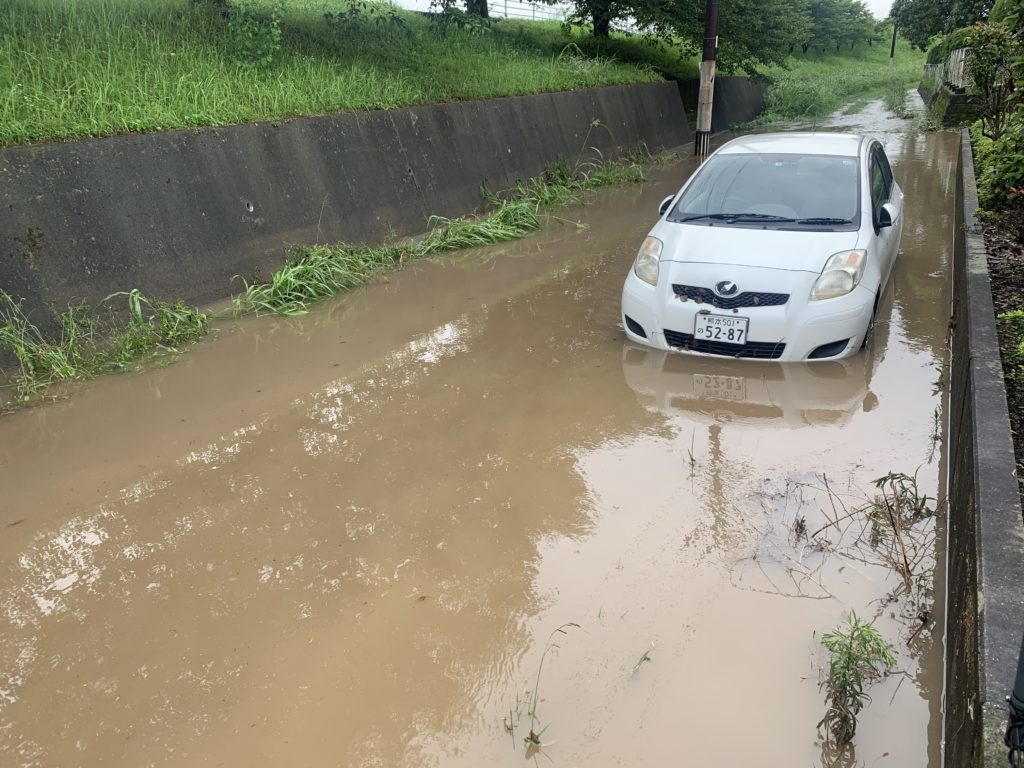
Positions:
{"x": 345, "y": 539}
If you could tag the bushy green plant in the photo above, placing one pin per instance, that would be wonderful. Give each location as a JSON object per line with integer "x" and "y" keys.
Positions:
{"x": 999, "y": 168}
{"x": 993, "y": 62}
{"x": 1012, "y": 327}
{"x": 255, "y": 34}
{"x": 857, "y": 652}
{"x": 359, "y": 16}
{"x": 445, "y": 15}
{"x": 1009, "y": 13}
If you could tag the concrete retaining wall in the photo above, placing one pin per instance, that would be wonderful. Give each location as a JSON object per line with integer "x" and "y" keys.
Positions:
{"x": 737, "y": 100}
{"x": 948, "y": 106}
{"x": 985, "y": 560}
{"x": 178, "y": 214}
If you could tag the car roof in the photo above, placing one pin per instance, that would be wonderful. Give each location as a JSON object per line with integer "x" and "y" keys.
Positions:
{"x": 842, "y": 144}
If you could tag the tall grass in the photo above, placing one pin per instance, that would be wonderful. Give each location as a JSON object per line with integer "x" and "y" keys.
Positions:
{"x": 71, "y": 68}
{"x": 88, "y": 344}
{"x": 815, "y": 85}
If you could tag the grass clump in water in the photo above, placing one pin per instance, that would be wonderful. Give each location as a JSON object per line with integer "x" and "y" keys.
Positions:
{"x": 314, "y": 273}
{"x": 84, "y": 345}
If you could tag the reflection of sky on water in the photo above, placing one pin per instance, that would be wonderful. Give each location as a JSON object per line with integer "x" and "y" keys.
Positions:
{"x": 100, "y": 553}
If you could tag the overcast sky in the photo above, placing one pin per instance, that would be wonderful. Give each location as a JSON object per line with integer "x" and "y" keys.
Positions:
{"x": 879, "y": 7}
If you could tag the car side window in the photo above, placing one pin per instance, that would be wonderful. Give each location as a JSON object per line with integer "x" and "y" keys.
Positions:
{"x": 886, "y": 169}
{"x": 879, "y": 188}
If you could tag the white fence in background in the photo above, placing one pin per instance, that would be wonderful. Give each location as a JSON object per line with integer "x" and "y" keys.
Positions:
{"x": 951, "y": 72}
{"x": 504, "y": 9}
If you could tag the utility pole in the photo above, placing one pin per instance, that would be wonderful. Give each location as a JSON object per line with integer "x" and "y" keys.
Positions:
{"x": 892, "y": 49}
{"x": 706, "y": 99}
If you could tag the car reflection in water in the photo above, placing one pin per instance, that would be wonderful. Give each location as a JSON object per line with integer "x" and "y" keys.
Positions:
{"x": 716, "y": 390}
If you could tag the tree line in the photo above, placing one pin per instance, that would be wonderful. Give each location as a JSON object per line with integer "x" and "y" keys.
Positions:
{"x": 751, "y": 32}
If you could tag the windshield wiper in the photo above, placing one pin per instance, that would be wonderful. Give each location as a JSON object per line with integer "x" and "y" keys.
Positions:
{"x": 734, "y": 217}
{"x": 823, "y": 220}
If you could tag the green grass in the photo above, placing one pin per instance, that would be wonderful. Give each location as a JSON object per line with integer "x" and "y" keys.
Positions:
{"x": 73, "y": 68}
{"x": 90, "y": 343}
{"x": 817, "y": 84}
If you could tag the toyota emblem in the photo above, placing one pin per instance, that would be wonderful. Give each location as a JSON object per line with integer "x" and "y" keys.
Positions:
{"x": 726, "y": 288}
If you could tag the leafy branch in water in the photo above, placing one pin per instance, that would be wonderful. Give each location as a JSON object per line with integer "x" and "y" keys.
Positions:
{"x": 858, "y": 652}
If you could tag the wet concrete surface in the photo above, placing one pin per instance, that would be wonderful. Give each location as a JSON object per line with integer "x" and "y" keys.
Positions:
{"x": 345, "y": 539}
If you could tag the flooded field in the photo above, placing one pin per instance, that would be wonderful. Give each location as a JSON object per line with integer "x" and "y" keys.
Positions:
{"x": 346, "y": 539}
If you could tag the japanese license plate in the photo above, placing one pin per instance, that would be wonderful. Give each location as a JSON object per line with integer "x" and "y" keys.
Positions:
{"x": 722, "y": 328}
{"x": 719, "y": 387}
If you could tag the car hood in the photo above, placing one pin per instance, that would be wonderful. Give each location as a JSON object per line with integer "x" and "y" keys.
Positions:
{"x": 799, "y": 250}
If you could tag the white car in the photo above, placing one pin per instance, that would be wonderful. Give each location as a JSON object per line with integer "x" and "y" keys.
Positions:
{"x": 777, "y": 248}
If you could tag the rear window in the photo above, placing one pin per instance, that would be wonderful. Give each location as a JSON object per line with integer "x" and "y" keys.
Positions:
{"x": 783, "y": 191}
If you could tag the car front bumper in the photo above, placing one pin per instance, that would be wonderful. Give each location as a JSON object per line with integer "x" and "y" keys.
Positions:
{"x": 789, "y": 332}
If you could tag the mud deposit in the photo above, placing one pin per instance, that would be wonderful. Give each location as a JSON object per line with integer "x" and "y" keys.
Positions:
{"x": 345, "y": 539}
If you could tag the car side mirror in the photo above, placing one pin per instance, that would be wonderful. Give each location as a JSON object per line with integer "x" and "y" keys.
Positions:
{"x": 665, "y": 204}
{"x": 886, "y": 215}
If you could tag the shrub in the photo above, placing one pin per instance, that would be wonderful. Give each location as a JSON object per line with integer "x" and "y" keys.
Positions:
{"x": 993, "y": 57}
{"x": 255, "y": 34}
{"x": 999, "y": 166}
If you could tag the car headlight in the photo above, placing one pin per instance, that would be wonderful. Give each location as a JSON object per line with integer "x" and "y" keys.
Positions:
{"x": 648, "y": 261}
{"x": 842, "y": 273}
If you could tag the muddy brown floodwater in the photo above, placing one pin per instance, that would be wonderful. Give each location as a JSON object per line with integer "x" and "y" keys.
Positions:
{"x": 345, "y": 539}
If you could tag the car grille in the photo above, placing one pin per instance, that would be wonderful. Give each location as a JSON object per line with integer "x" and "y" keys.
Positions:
{"x": 762, "y": 350}
{"x": 745, "y": 299}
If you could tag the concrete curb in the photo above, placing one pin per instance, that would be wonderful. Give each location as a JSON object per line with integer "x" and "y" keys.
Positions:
{"x": 985, "y": 552}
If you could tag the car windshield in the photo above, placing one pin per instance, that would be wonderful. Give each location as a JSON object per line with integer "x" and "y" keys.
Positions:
{"x": 778, "y": 191}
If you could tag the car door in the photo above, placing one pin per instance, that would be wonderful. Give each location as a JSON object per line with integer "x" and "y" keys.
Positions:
{"x": 884, "y": 189}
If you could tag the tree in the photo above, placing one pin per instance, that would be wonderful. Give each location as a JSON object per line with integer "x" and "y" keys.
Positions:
{"x": 752, "y": 33}
{"x": 1009, "y": 13}
{"x": 993, "y": 54}
{"x": 920, "y": 20}
{"x": 835, "y": 23}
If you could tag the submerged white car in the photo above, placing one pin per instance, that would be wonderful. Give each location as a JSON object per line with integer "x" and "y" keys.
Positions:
{"x": 777, "y": 248}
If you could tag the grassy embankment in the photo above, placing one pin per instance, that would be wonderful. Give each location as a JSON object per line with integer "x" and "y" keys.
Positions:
{"x": 74, "y": 68}
{"x": 818, "y": 84}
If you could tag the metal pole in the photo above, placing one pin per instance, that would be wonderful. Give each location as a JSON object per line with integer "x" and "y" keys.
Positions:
{"x": 892, "y": 49}
{"x": 706, "y": 99}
